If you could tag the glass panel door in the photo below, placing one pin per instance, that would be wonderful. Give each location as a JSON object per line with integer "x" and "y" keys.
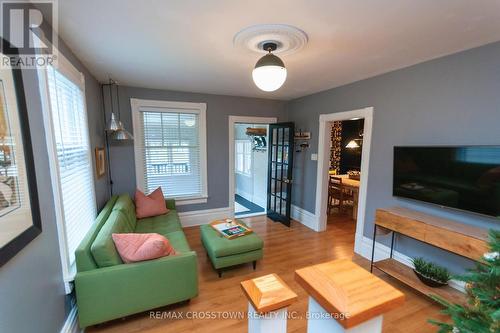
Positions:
{"x": 279, "y": 185}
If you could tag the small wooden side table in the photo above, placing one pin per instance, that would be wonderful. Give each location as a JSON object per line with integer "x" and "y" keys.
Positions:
{"x": 343, "y": 297}
{"x": 268, "y": 299}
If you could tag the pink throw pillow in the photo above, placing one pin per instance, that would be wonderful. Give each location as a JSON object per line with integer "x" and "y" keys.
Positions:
{"x": 140, "y": 247}
{"x": 150, "y": 205}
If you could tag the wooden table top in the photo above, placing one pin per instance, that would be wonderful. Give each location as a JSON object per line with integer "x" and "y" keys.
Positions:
{"x": 268, "y": 293}
{"x": 346, "y": 180}
{"x": 436, "y": 221}
{"x": 345, "y": 289}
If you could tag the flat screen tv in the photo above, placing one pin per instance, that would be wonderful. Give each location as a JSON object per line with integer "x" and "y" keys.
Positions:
{"x": 465, "y": 178}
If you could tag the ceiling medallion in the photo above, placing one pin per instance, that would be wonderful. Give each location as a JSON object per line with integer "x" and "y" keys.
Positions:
{"x": 288, "y": 39}
{"x": 269, "y": 73}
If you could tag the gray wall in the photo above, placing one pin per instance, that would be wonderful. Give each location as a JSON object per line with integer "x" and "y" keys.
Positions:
{"x": 452, "y": 100}
{"x": 32, "y": 296}
{"x": 219, "y": 108}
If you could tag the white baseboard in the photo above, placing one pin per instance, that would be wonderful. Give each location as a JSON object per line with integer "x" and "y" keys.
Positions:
{"x": 71, "y": 323}
{"x": 260, "y": 200}
{"x": 383, "y": 252}
{"x": 199, "y": 217}
{"x": 245, "y": 195}
{"x": 306, "y": 218}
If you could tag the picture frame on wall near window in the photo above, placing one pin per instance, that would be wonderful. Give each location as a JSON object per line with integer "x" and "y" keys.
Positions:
{"x": 20, "y": 220}
{"x": 100, "y": 162}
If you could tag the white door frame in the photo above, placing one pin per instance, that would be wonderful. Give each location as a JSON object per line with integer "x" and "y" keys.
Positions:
{"x": 323, "y": 167}
{"x": 232, "y": 121}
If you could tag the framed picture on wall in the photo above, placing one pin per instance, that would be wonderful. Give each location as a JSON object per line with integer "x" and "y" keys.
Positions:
{"x": 100, "y": 162}
{"x": 19, "y": 209}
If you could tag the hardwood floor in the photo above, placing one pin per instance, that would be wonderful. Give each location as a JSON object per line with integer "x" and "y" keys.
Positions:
{"x": 285, "y": 250}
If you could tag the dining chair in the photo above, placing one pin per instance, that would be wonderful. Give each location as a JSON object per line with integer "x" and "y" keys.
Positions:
{"x": 335, "y": 193}
{"x": 339, "y": 196}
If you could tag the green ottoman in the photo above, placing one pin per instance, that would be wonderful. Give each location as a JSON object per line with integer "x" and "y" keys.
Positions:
{"x": 225, "y": 252}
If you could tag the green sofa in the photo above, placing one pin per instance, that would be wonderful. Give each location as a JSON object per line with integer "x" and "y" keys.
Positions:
{"x": 107, "y": 289}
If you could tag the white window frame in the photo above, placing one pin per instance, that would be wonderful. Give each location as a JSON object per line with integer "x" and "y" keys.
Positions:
{"x": 186, "y": 107}
{"x": 244, "y": 154}
{"x": 66, "y": 68}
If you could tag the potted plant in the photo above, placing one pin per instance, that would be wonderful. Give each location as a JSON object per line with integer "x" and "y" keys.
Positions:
{"x": 430, "y": 274}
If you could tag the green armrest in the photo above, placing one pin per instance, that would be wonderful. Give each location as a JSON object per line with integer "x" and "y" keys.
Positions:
{"x": 113, "y": 292}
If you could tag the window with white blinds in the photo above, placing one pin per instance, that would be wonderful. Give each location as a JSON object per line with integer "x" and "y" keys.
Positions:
{"x": 71, "y": 163}
{"x": 170, "y": 149}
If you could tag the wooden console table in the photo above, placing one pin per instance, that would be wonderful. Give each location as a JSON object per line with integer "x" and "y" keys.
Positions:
{"x": 463, "y": 240}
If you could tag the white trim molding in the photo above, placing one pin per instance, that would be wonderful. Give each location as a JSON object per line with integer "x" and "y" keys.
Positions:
{"x": 304, "y": 217}
{"x": 71, "y": 322}
{"x": 199, "y": 217}
{"x": 242, "y": 120}
{"x": 200, "y": 109}
{"x": 69, "y": 71}
{"x": 322, "y": 168}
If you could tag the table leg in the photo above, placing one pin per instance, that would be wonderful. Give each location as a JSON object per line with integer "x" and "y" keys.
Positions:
{"x": 355, "y": 205}
{"x": 272, "y": 322}
{"x": 373, "y": 247}
{"x": 320, "y": 321}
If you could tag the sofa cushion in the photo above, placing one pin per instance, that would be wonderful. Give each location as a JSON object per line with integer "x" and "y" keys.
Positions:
{"x": 220, "y": 246}
{"x": 103, "y": 249}
{"x": 141, "y": 247}
{"x": 127, "y": 207}
{"x": 178, "y": 241}
{"x": 83, "y": 255}
{"x": 150, "y": 205}
{"x": 161, "y": 224}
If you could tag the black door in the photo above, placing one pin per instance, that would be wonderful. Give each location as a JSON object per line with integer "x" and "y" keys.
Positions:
{"x": 279, "y": 186}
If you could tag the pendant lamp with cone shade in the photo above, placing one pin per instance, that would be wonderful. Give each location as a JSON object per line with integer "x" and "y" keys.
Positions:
{"x": 353, "y": 144}
{"x": 115, "y": 130}
{"x": 113, "y": 123}
{"x": 115, "y": 127}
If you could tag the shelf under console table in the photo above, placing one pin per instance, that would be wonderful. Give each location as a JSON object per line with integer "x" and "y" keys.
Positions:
{"x": 458, "y": 238}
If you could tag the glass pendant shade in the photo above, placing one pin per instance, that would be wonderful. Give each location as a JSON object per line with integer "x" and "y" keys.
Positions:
{"x": 269, "y": 73}
{"x": 352, "y": 144}
{"x": 121, "y": 133}
{"x": 113, "y": 123}
{"x": 115, "y": 127}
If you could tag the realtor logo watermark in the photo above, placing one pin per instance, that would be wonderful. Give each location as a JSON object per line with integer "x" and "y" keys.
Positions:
{"x": 29, "y": 35}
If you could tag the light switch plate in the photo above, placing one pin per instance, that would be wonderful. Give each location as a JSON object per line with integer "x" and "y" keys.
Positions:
{"x": 314, "y": 157}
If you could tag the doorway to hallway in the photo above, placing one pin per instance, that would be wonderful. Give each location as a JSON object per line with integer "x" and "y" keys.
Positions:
{"x": 248, "y": 156}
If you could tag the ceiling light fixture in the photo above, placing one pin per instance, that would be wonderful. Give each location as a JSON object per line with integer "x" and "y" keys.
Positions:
{"x": 358, "y": 142}
{"x": 269, "y": 73}
{"x": 115, "y": 127}
{"x": 353, "y": 144}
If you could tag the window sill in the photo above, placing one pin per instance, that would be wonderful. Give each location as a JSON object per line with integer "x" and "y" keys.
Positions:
{"x": 190, "y": 201}
{"x": 69, "y": 278}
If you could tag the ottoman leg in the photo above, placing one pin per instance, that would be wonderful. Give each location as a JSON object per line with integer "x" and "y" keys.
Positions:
{"x": 254, "y": 263}
{"x": 219, "y": 271}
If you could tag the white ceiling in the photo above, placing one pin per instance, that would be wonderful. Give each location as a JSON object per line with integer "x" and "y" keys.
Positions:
{"x": 188, "y": 45}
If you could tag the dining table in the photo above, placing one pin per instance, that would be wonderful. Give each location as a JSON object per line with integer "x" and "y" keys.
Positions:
{"x": 352, "y": 185}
